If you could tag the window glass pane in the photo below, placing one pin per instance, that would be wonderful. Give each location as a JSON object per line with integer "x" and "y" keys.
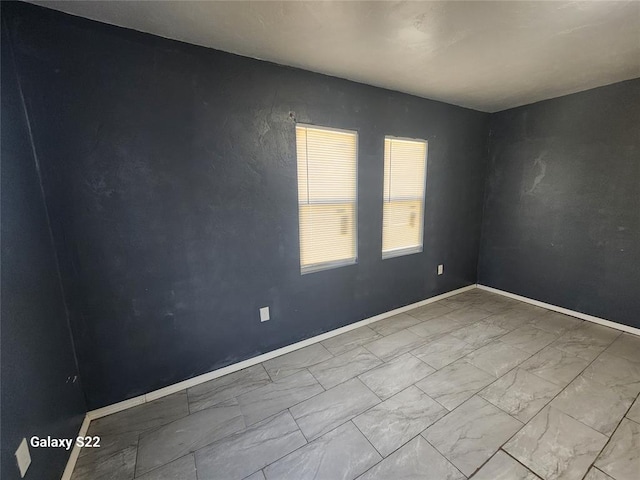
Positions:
{"x": 327, "y": 165}
{"x": 404, "y": 188}
{"x": 326, "y": 233}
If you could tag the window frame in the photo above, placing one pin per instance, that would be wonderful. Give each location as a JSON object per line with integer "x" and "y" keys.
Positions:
{"x": 331, "y": 264}
{"x": 400, "y": 252}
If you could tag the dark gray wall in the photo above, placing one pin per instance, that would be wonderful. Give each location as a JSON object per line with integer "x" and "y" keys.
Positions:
{"x": 170, "y": 173}
{"x": 562, "y": 209}
{"x": 37, "y": 354}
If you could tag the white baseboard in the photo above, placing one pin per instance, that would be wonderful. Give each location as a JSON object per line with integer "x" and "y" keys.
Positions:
{"x": 566, "y": 311}
{"x": 75, "y": 452}
{"x": 176, "y": 387}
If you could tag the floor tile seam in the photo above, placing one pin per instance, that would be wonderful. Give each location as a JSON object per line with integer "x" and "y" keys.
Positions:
{"x": 351, "y": 331}
{"x": 365, "y": 347}
{"x": 630, "y": 420}
{"x": 296, "y": 420}
{"x": 566, "y": 353}
{"x": 188, "y": 402}
{"x": 422, "y": 434}
{"x": 475, "y": 393}
{"x": 616, "y": 429}
{"x": 433, "y": 303}
{"x": 343, "y": 353}
{"x": 502, "y": 409}
{"x": 571, "y": 414}
{"x": 409, "y": 312}
{"x": 237, "y": 399}
{"x": 230, "y": 398}
{"x": 157, "y": 467}
{"x": 435, "y": 400}
{"x": 391, "y": 359}
{"x": 484, "y": 399}
{"x": 429, "y": 365}
{"x": 239, "y": 432}
{"x": 563, "y": 386}
{"x": 483, "y": 345}
{"x": 309, "y": 398}
{"x": 382, "y": 457}
{"x": 501, "y": 447}
{"x": 593, "y": 467}
{"x": 438, "y": 369}
{"x": 398, "y": 393}
{"x": 489, "y": 373}
{"x": 515, "y": 460}
{"x": 135, "y": 464}
{"x": 549, "y": 405}
{"x": 351, "y": 378}
{"x": 318, "y": 382}
{"x": 305, "y": 367}
{"x": 595, "y": 337}
{"x": 511, "y": 369}
{"x": 557, "y": 335}
{"x": 113, "y": 454}
{"x": 193, "y": 452}
{"x": 432, "y": 338}
{"x": 600, "y": 384}
{"x": 637, "y": 399}
{"x": 200, "y": 385}
{"x": 300, "y": 429}
{"x": 595, "y": 459}
{"x": 593, "y": 361}
{"x": 135, "y": 430}
{"x": 637, "y": 362}
{"x": 309, "y": 442}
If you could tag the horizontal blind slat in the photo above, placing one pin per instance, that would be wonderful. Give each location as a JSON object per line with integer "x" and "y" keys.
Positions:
{"x": 327, "y": 165}
{"x": 404, "y": 191}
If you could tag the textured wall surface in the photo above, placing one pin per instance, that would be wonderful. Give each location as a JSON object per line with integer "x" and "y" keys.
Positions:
{"x": 37, "y": 353}
{"x": 562, "y": 209}
{"x": 170, "y": 174}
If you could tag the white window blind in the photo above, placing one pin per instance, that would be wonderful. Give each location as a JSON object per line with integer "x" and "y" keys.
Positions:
{"x": 405, "y": 168}
{"x": 327, "y": 165}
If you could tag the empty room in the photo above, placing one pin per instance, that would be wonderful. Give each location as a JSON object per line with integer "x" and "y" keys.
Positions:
{"x": 329, "y": 240}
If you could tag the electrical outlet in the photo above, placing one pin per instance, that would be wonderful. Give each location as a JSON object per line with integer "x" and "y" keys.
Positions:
{"x": 23, "y": 457}
{"x": 440, "y": 269}
{"x": 264, "y": 314}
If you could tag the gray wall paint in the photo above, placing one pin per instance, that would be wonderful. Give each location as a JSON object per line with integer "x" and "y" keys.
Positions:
{"x": 170, "y": 173}
{"x": 562, "y": 209}
{"x": 36, "y": 351}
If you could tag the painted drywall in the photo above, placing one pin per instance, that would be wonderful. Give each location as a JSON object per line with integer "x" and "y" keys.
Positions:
{"x": 562, "y": 209}
{"x": 39, "y": 394}
{"x": 170, "y": 174}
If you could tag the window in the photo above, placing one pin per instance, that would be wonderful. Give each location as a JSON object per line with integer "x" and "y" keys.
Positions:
{"x": 405, "y": 169}
{"x": 327, "y": 164}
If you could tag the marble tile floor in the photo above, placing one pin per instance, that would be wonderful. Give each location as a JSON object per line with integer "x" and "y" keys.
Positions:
{"x": 475, "y": 386}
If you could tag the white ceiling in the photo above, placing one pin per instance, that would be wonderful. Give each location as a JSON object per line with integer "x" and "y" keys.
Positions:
{"x": 484, "y": 55}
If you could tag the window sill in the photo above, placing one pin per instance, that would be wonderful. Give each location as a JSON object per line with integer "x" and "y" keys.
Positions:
{"x": 400, "y": 252}
{"x": 318, "y": 267}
